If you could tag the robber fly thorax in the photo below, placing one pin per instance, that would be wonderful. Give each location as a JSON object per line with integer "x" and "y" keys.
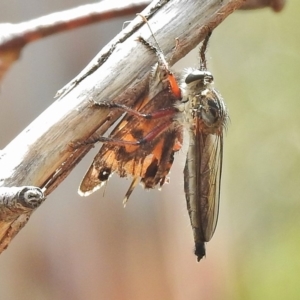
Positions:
{"x": 202, "y": 101}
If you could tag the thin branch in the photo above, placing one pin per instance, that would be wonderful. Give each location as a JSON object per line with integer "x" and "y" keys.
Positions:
{"x": 276, "y": 5}
{"x": 26, "y": 32}
{"x": 13, "y": 37}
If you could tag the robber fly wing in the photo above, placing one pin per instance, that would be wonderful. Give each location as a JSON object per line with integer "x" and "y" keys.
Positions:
{"x": 210, "y": 154}
{"x": 202, "y": 178}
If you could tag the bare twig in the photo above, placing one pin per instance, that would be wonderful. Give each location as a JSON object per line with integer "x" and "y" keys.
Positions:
{"x": 276, "y": 5}
{"x": 13, "y": 37}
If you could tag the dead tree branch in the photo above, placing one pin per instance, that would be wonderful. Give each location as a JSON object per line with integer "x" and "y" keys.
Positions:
{"x": 13, "y": 37}
{"x": 276, "y": 5}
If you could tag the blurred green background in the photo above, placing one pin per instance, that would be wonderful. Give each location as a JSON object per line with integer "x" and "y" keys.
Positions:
{"x": 92, "y": 248}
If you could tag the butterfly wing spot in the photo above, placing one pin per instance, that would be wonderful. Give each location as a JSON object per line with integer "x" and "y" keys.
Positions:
{"x": 104, "y": 174}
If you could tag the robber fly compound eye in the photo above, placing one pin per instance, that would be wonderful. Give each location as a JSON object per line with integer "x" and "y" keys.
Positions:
{"x": 210, "y": 113}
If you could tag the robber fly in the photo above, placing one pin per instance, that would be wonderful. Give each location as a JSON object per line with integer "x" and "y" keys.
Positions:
{"x": 207, "y": 117}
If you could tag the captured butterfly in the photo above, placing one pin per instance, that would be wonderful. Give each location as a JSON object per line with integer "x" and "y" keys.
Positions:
{"x": 143, "y": 144}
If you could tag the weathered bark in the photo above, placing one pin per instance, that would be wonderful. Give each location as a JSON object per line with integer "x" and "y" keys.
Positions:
{"x": 16, "y": 203}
